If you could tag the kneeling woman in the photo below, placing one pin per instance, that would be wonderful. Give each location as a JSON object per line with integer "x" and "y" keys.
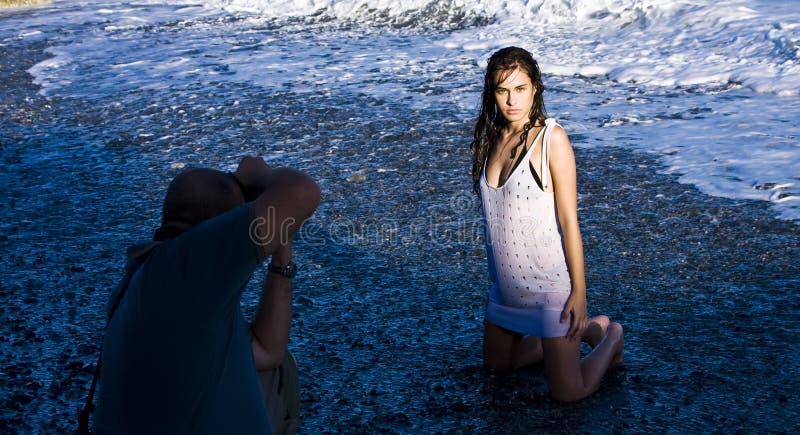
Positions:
{"x": 524, "y": 171}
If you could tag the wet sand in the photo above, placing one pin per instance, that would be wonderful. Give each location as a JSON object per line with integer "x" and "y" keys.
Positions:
{"x": 387, "y": 325}
{"x": 21, "y": 3}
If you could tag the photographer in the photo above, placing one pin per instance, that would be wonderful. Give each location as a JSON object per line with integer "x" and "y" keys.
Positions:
{"x": 178, "y": 356}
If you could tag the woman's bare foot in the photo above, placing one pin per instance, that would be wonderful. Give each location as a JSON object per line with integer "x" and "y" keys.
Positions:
{"x": 615, "y": 333}
{"x": 595, "y": 330}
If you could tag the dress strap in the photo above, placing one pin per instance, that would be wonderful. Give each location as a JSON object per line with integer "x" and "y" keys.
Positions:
{"x": 529, "y": 151}
{"x": 549, "y": 123}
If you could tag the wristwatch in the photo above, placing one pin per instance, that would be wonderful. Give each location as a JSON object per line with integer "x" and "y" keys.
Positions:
{"x": 289, "y": 271}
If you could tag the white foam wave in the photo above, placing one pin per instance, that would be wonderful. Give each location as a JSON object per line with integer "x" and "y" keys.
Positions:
{"x": 680, "y": 43}
{"x": 338, "y": 9}
{"x": 673, "y": 43}
{"x": 49, "y": 73}
{"x": 407, "y": 13}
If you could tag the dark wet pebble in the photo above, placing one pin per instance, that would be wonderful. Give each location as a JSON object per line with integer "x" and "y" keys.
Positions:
{"x": 22, "y": 398}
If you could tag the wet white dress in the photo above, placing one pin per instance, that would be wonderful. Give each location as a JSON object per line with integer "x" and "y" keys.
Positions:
{"x": 524, "y": 245}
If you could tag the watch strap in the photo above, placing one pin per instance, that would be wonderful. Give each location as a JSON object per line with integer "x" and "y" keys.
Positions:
{"x": 288, "y": 271}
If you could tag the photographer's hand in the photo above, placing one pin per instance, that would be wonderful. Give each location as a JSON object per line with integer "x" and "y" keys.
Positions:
{"x": 252, "y": 174}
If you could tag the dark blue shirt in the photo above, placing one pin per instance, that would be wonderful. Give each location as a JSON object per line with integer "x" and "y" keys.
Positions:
{"x": 177, "y": 356}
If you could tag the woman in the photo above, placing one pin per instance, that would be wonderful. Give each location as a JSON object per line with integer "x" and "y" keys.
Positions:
{"x": 523, "y": 168}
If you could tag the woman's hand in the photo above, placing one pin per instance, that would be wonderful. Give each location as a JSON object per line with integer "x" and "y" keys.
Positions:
{"x": 576, "y": 308}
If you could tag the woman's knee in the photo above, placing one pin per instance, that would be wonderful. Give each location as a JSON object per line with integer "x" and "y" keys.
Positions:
{"x": 567, "y": 389}
{"x": 615, "y": 330}
{"x": 563, "y": 369}
{"x": 568, "y": 394}
{"x": 601, "y": 320}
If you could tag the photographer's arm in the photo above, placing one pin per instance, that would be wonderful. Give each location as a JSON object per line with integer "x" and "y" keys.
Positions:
{"x": 283, "y": 200}
{"x": 273, "y": 318}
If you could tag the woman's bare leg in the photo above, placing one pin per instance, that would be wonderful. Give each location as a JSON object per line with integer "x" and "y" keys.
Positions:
{"x": 571, "y": 378}
{"x": 529, "y": 351}
{"x": 506, "y": 350}
{"x": 595, "y": 330}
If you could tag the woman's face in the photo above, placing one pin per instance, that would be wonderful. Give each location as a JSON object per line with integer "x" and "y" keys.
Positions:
{"x": 514, "y": 95}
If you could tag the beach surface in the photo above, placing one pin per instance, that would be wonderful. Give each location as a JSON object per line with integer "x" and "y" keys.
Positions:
{"x": 687, "y": 204}
{"x": 388, "y": 305}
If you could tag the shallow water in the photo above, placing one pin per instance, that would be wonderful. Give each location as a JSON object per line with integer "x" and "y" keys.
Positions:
{"x": 388, "y": 307}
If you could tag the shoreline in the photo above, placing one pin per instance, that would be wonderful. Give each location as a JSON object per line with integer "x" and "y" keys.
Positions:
{"x": 680, "y": 269}
{"x": 21, "y": 3}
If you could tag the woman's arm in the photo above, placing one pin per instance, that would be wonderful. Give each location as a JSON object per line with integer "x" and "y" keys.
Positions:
{"x": 562, "y": 168}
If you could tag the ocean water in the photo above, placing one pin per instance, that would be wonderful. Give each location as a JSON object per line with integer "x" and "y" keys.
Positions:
{"x": 684, "y": 116}
{"x": 711, "y": 88}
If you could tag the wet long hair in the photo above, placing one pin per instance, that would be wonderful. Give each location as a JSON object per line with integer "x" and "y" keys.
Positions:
{"x": 491, "y": 122}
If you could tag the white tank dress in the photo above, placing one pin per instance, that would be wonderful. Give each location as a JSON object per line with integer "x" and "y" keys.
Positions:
{"x": 524, "y": 246}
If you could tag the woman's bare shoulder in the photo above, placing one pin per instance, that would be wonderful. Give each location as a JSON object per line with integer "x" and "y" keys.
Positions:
{"x": 559, "y": 141}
